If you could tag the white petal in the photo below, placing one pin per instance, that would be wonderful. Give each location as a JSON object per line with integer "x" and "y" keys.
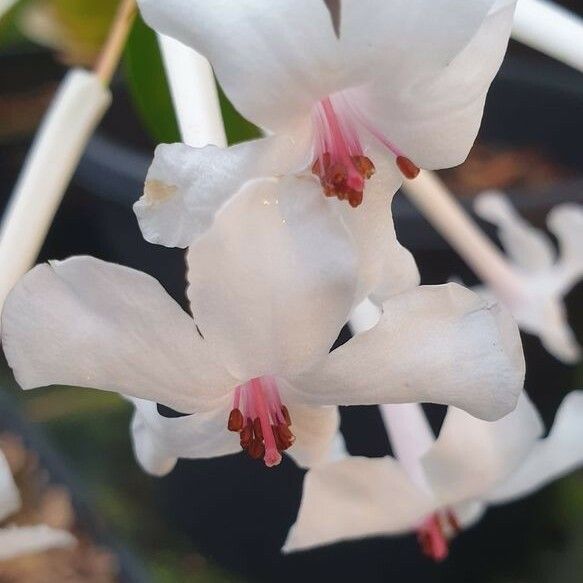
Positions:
{"x": 159, "y": 441}
{"x": 316, "y": 432}
{"x": 434, "y": 118}
{"x": 560, "y": 453}
{"x": 89, "y": 323}
{"x": 566, "y": 223}
{"x": 186, "y": 187}
{"x": 471, "y": 456}
{"x": 274, "y": 62}
{"x": 401, "y": 39}
{"x": 356, "y": 498}
{"x": 545, "y": 316}
{"x": 439, "y": 344}
{"x": 9, "y": 495}
{"x": 411, "y": 437}
{"x": 469, "y": 513}
{"x": 386, "y": 268}
{"x": 16, "y": 541}
{"x": 540, "y": 310}
{"x": 273, "y": 282}
{"x": 528, "y": 247}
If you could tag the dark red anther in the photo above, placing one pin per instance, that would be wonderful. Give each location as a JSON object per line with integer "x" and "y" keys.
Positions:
{"x": 286, "y": 415}
{"x": 354, "y": 198}
{"x": 453, "y": 521}
{"x": 343, "y": 178}
{"x": 364, "y": 166}
{"x": 236, "y": 420}
{"x": 256, "y": 449}
{"x": 408, "y": 169}
{"x": 257, "y": 429}
{"x": 285, "y": 433}
{"x": 246, "y": 435}
{"x": 279, "y": 443}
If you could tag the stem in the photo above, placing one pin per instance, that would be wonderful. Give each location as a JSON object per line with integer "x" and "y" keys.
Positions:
{"x": 442, "y": 210}
{"x": 194, "y": 94}
{"x": 118, "y": 34}
{"x": 75, "y": 111}
{"x": 551, "y": 29}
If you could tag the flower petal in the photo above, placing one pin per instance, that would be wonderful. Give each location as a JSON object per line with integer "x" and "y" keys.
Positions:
{"x": 9, "y": 495}
{"x": 553, "y": 457}
{"x": 546, "y": 317}
{"x": 439, "y": 344}
{"x": 90, "y": 323}
{"x": 470, "y": 456}
{"x": 274, "y": 280}
{"x": 159, "y": 441}
{"x": 566, "y": 223}
{"x": 403, "y": 38}
{"x": 186, "y": 187}
{"x": 528, "y": 247}
{"x": 433, "y": 118}
{"x": 386, "y": 268}
{"x": 16, "y": 541}
{"x": 540, "y": 309}
{"x": 469, "y": 513}
{"x": 316, "y": 432}
{"x": 273, "y": 62}
{"x": 355, "y": 498}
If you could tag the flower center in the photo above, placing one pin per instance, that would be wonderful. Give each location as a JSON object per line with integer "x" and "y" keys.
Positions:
{"x": 339, "y": 160}
{"x": 262, "y": 421}
{"x": 435, "y": 533}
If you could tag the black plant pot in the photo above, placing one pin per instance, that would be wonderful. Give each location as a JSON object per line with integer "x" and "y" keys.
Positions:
{"x": 235, "y": 511}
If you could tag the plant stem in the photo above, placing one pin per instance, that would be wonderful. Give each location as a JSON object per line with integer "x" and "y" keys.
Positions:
{"x": 194, "y": 94}
{"x": 551, "y": 29}
{"x": 447, "y": 216}
{"x": 114, "y": 45}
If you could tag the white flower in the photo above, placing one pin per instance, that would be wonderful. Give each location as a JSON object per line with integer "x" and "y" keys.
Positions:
{"x": 546, "y": 276}
{"x": 269, "y": 294}
{"x": 396, "y": 86}
{"x": 16, "y": 541}
{"x": 437, "y": 488}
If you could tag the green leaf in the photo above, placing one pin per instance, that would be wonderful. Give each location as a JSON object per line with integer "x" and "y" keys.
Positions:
{"x": 146, "y": 81}
{"x": 237, "y": 127}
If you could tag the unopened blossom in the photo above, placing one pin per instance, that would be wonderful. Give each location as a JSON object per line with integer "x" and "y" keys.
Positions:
{"x": 546, "y": 275}
{"x": 437, "y": 488}
{"x": 16, "y": 541}
{"x": 352, "y": 102}
{"x": 269, "y": 295}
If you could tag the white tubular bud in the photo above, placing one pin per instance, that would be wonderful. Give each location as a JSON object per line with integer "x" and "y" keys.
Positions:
{"x": 74, "y": 113}
{"x": 550, "y": 29}
{"x": 194, "y": 94}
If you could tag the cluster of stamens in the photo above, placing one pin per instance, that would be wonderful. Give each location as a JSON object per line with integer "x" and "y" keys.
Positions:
{"x": 339, "y": 160}
{"x": 435, "y": 533}
{"x": 261, "y": 420}
{"x": 338, "y": 178}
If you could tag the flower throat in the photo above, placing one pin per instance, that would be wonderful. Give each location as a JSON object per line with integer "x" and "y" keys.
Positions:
{"x": 339, "y": 160}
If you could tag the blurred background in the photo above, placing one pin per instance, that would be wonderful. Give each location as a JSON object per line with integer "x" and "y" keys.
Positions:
{"x": 69, "y": 448}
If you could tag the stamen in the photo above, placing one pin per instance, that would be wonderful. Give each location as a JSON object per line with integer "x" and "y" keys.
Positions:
{"x": 435, "y": 533}
{"x": 407, "y": 167}
{"x": 235, "y": 420}
{"x": 339, "y": 162}
{"x": 431, "y": 539}
{"x": 263, "y": 425}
